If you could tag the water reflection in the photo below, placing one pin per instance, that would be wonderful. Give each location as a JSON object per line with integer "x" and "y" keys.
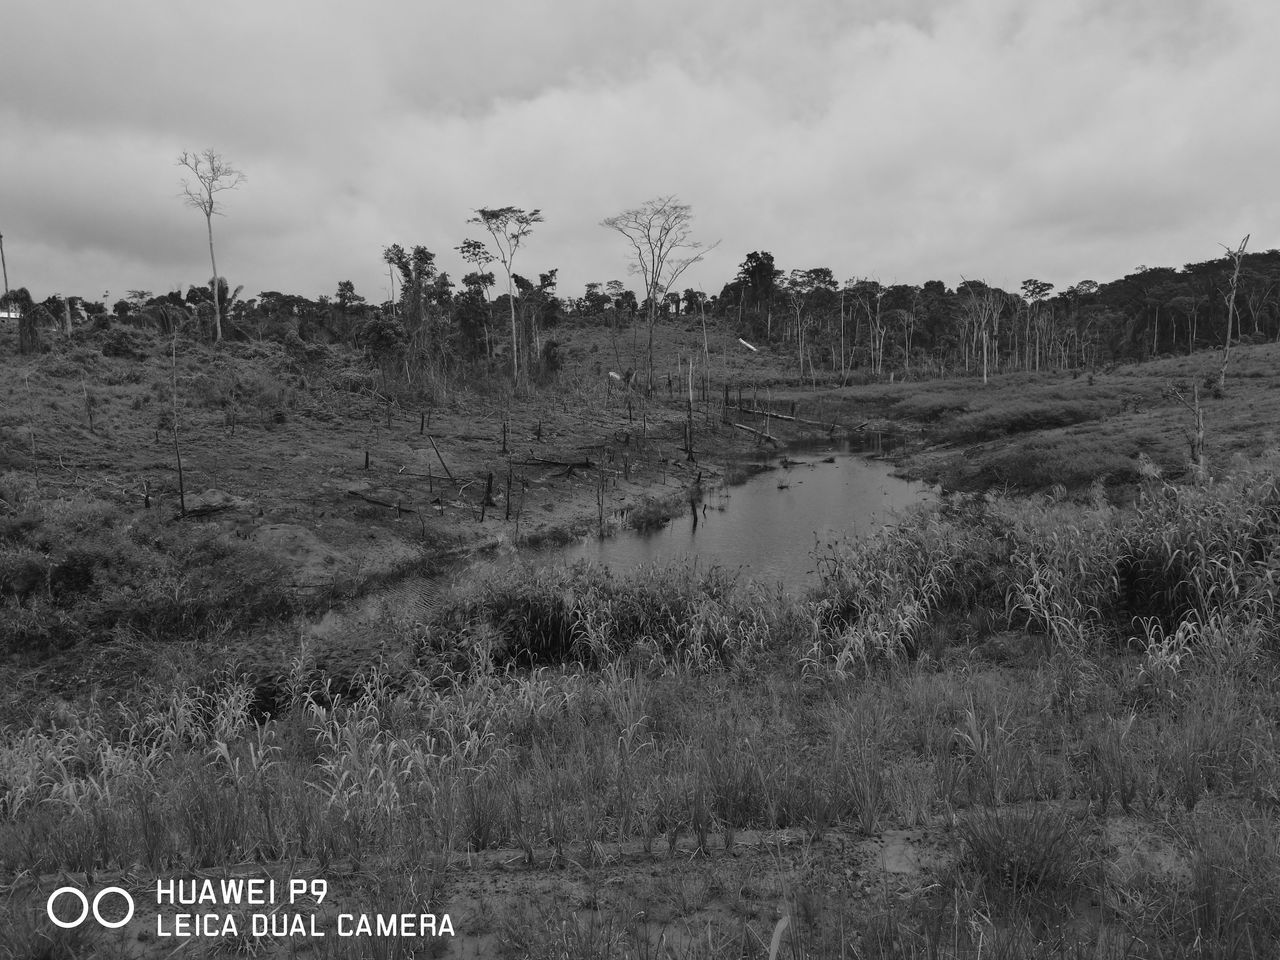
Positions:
{"x": 769, "y": 526}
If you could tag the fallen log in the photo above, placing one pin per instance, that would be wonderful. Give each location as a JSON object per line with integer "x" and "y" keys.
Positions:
{"x": 758, "y": 433}
{"x": 765, "y": 413}
{"x": 826, "y": 424}
{"x": 381, "y": 503}
{"x": 570, "y": 464}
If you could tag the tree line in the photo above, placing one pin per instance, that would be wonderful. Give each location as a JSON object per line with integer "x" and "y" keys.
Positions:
{"x": 860, "y": 324}
{"x": 435, "y": 328}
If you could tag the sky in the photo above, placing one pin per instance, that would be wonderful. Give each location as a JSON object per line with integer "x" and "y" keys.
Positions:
{"x": 902, "y": 140}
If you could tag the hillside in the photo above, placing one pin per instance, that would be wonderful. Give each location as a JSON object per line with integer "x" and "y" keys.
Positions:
{"x": 1043, "y": 722}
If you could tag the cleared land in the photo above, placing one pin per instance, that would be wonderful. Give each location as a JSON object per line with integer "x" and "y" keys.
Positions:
{"x": 1040, "y": 725}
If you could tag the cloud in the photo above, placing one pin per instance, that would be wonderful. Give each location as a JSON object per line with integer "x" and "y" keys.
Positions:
{"x": 908, "y": 141}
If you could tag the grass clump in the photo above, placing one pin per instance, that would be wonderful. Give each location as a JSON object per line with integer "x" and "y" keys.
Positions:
{"x": 80, "y": 568}
{"x": 587, "y": 614}
{"x": 1027, "y": 854}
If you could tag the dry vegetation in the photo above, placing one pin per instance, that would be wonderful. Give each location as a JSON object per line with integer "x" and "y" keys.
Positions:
{"x": 1034, "y": 431}
{"x": 1040, "y": 726}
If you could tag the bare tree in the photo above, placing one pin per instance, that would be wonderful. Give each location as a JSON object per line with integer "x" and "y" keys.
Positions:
{"x": 213, "y": 174}
{"x": 6, "y": 272}
{"x": 981, "y": 309}
{"x": 1229, "y": 296}
{"x": 509, "y": 226}
{"x": 660, "y": 236}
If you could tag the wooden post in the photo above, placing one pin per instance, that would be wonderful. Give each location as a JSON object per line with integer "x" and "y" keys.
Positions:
{"x": 600, "y": 496}
{"x": 488, "y": 492}
{"x": 508, "y": 491}
{"x": 689, "y": 417}
{"x": 504, "y": 436}
{"x": 366, "y": 459}
{"x": 524, "y": 488}
{"x": 88, "y": 405}
{"x": 422, "y": 422}
{"x": 182, "y": 489}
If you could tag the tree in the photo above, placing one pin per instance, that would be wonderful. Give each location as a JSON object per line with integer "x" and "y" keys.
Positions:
{"x": 478, "y": 283}
{"x": 509, "y": 226}
{"x": 981, "y": 307}
{"x": 802, "y": 286}
{"x": 761, "y": 277}
{"x": 213, "y": 174}
{"x": 424, "y": 297}
{"x": 695, "y": 301}
{"x": 417, "y": 275}
{"x": 1033, "y": 294}
{"x": 594, "y": 302}
{"x": 349, "y": 305}
{"x": 1229, "y": 298}
{"x": 5, "y": 266}
{"x": 660, "y": 236}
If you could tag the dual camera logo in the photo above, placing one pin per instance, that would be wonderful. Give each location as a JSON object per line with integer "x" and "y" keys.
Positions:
{"x": 85, "y": 908}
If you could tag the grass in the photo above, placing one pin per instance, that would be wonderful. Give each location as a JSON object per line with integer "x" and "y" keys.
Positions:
{"x": 1030, "y": 432}
{"x": 574, "y": 713}
{"x": 78, "y": 566}
{"x": 938, "y": 753}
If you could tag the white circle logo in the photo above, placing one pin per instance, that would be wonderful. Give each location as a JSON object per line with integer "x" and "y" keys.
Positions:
{"x": 84, "y": 908}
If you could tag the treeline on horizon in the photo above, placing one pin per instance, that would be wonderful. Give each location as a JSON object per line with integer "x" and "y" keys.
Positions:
{"x": 826, "y": 326}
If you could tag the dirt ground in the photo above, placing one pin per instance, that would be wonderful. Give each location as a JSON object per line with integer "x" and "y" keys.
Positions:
{"x": 669, "y": 900}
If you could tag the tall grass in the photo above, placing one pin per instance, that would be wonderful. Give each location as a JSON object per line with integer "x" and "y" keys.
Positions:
{"x": 574, "y": 714}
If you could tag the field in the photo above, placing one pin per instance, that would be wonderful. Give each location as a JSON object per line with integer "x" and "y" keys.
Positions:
{"x": 1038, "y": 720}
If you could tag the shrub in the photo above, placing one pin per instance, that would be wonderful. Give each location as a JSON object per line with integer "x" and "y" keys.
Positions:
{"x": 128, "y": 343}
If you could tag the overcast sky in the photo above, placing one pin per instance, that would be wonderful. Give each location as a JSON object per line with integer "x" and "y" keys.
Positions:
{"x": 905, "y": 140}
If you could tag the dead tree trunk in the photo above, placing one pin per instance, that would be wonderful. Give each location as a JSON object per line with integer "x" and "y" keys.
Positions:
{"x": 1230, "y": 297}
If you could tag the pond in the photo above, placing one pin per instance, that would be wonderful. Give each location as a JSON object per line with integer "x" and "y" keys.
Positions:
{"x": 771, "y": 527}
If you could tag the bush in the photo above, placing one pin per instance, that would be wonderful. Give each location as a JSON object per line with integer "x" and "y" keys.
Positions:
{"x": 128, "y": 343}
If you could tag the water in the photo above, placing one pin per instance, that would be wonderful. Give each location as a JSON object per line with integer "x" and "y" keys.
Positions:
{"x": 771, "y": 527}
